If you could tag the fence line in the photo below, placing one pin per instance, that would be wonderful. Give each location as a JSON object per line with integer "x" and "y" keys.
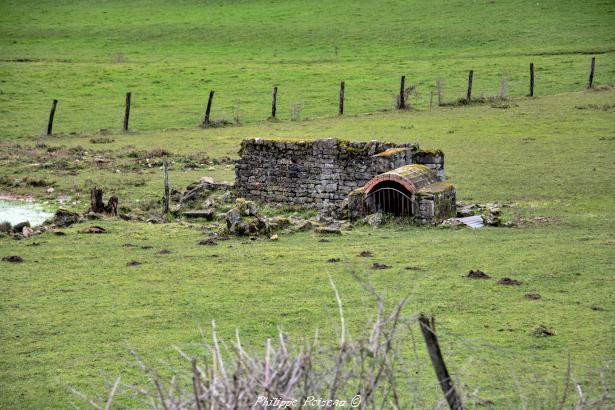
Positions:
{"x": 400, "y": 103}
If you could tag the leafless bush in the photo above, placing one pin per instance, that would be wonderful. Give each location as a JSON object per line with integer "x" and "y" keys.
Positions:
{"x": 409, "y": 91}
{"x": 40, "y": 141}
{"x": 503, "y": 87}
{"x": 295, "y": 112}
{"x": 364, "y": 372}
{"x": 236, "y": 113}
{"x": 364, "y": 369}
{"x": 440, "y": 91}
{"x": 217, "y": 123}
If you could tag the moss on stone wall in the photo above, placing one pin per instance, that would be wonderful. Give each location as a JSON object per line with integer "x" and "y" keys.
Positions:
{"x": 436, "y": 188}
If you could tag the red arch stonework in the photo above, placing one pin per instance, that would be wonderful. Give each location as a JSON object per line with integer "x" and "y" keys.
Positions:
{"x": 378, "y": 179}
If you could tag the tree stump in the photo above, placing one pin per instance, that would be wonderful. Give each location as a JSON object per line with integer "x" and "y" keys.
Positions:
{"x": 96, "y": 202}
{"x": 111, "y": 208}
{"x": 98, "y": 206}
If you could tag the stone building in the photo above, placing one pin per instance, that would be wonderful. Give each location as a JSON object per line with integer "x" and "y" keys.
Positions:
{"x": 352, "y": 178}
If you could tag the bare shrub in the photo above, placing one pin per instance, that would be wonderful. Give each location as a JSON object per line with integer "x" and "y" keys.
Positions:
{"x": 236, "y": 113}
{"x": 223, "y": 120}
{"x": 41, "y": 140}
{"x": 440, "y": 91}
{"x": 295, "y": 112}
{"x": 367, "y": 371}
{"x": 217, "y": 124}
{"x": 409, "y": 91}
{"x": 503, "y": 87}
{"x": 363, "y": 369}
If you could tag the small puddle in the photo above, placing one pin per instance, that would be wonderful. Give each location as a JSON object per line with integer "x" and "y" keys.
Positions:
{"x": 15, "y": 211}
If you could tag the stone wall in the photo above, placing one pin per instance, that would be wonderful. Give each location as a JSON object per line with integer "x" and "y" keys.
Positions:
{"x": 321, "y": 172}
{"x": 435, "y": 203}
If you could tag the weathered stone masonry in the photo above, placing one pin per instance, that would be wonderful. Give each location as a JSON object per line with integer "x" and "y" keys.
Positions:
{"x": 322, "y": 172}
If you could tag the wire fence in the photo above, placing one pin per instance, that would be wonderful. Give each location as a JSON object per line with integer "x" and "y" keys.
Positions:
{"x": 406, "y": 98}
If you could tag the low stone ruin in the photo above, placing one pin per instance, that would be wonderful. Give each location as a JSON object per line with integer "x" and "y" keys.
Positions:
{"x": 347, "y": 179}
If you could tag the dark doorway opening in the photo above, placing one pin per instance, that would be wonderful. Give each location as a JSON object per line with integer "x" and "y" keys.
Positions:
{"x": 390, "y": 197}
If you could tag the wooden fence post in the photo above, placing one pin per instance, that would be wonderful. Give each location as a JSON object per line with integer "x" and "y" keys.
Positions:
{"x": 590, "y": 83}
{"x": 274, "y": 97}
{"x": 531, "y": 79}
{"x": 127, "y": 111}
{"x": 52, "y": 113}
{"x": 402, "y": 99}
{"x": 341, "y": 107}
{"x": 469, "y": 93}
{"x": 433, "y": 348}
{"x": 165, "y": 198}
{"x": 205, "y": 122}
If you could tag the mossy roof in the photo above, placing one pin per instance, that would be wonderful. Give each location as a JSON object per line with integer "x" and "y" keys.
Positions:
{"x": 413, "y": 177}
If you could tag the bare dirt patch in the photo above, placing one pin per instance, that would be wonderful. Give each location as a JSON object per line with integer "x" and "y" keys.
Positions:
{"x": 13, "y": 259}
{"x": 378, "y": 265}
{"x": 509, "y": 282}
{"x": 477, "y": 274}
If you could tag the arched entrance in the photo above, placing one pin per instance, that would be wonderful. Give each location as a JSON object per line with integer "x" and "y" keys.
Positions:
{"x": 389, "y": 197}
{"x": 394, "y": 192}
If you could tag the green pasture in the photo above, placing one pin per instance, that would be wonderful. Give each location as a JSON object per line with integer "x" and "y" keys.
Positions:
{"x": 69, "y": 312}
{"x": 72, "y": 308}
{"x": 170, "y": 55}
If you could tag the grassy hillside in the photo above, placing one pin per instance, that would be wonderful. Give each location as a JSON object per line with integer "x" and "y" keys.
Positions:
{"x": 70, "y": 308}
{"x": 173, "y": 54}
{"x": 68, "y": 312}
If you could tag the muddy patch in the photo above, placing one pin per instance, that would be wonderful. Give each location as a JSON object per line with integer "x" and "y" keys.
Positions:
{"x": 477, "y": 274}
{"x": 509, "y": 282}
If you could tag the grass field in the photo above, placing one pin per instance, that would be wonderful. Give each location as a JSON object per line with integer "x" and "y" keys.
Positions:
{"x": 174, "y": 54}
{"x": 70, "y": 309}
{"x": 68, "y": 312}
